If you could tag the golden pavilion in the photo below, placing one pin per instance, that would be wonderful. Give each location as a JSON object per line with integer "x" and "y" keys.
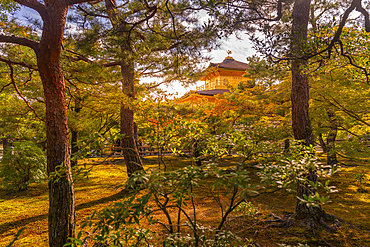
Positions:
{"x": 224, "y": 75}
{"x": 220, "y": 78}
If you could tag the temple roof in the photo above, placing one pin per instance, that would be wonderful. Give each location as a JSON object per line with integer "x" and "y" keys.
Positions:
{"x": 230, "y": 63}
{"x": 212, "y": 92}
{"x": 196, "y": 96}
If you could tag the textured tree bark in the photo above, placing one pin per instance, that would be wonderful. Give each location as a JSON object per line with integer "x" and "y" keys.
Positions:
{"x": 128, "y": 143}
{"x": 300, "y": 88}
{"x": 300, "y": 96}
{"x": 127, "y": 129}
{"x": 61, "y": 191}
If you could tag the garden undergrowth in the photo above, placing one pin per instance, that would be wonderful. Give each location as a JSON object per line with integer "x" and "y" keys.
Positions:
{"x": 29, "y": 208}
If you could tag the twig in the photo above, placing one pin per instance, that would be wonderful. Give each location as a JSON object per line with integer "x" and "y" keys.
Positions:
{"x": 19, "y": 92}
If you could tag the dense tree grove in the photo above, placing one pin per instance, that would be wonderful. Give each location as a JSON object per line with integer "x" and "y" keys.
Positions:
{"x": 71, "y": 84}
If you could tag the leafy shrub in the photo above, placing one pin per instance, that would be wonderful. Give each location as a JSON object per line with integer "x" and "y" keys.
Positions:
{"x": 293, "y": 168}
{"x": 173, "y": 193}
{"x": 22, "y": 165}
{"x": 247, "y": 209}
{"x": 208, "y": 237}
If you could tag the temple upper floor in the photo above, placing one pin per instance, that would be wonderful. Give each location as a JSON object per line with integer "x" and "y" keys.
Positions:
{"x": 224, "y": 75}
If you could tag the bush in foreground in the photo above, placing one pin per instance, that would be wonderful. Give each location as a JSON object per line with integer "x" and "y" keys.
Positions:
{"x": 22, "y": 165}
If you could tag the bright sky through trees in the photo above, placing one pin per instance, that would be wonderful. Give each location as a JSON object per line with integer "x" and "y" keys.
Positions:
{"x": 240, "y": 48}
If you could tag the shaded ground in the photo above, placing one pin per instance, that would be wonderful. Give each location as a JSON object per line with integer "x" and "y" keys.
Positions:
{"x": 29, "y": 209}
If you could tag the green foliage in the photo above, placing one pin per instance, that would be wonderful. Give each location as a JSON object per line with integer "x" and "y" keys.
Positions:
{"x": 7, "y": 6}
{"x": 339, "y": 108}
{"x": 247, "y": 209}
{"x": 173, "y": 193}
{"x": 22, "y": 165}
{"x": 60, "y": 172}
{"x": 354, "y": 148}
{"x": 293, "y": 168}
{"x": 209, "y": 237}
{"x": 147, "y": 42}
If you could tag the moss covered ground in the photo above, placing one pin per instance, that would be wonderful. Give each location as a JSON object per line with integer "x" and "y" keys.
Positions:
{"x": 29, "y": 208}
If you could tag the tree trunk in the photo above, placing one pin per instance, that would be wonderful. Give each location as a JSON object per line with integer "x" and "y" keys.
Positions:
{"x": 286, "y": 145}
{"x": 300, "y": 96}
{"x": 300, "y": 88}
{"x": 331, "y": 153}
{"x": 5, "y": 144}
{"x": 61, "y": 191}
{"x": 128, "y": 143}
{"x": 302, "y": 210}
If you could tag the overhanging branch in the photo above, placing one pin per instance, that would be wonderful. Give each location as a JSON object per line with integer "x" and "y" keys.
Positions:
{"x": 80, "y": 57}
{"x": 72, "y": 2}
{"x": 19, "y": 41}
{"x": 30, "y": 66}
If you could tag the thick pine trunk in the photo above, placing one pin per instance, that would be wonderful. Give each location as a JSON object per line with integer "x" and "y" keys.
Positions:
{"x": 61, "y": 191}
{"x": 128, "y": 143}
{"x": 300, "y": 107}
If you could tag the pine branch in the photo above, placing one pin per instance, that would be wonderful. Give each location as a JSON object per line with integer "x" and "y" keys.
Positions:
{"x": 90, "y": 13}
{"x": 261, "y": 17}
{"x": 5, "y": 86}
{"x": 156, "y": 85}
{"x": 347, "y": 111}
{"x": 19, "y": 92}
{"x": 152, "y": 9}
{"x": 80, "y": 57}
{"x": 20, "y": 41}
{"x": 30, "y": 66}
{"x": 355, "y": 5}
{"x": 173, "y": 19}
{"x": 350, "y": 60}
{"x": 72, "y": 2}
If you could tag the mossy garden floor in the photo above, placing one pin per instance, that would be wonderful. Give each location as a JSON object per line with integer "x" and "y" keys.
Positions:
{"x": 29, "y": 208}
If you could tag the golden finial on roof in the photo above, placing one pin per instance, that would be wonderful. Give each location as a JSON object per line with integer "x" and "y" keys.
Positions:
{"x": 228, "y": 54}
